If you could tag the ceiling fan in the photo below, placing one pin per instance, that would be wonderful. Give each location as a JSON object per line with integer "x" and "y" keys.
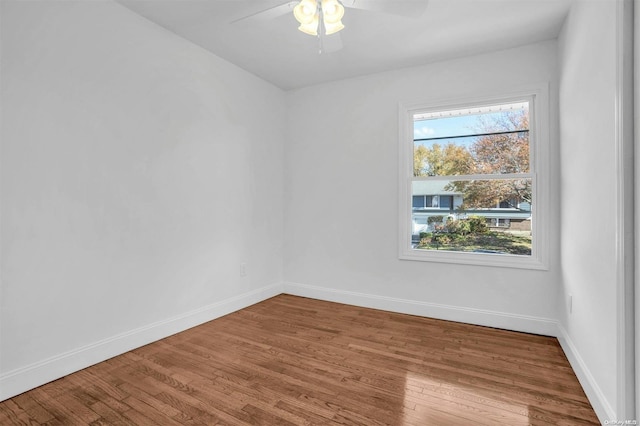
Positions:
{"x": 323, "y": 18}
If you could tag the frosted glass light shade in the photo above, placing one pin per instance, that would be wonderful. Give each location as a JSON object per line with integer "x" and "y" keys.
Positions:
{"x": 306, "y": 12}
{"x": 332, "y": 13}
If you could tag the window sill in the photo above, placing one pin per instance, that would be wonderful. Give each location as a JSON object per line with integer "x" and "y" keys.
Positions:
{"x": 478, "y": 259}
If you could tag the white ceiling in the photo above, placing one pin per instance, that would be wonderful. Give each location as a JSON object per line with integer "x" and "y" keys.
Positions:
{"x": 276, "y": 51}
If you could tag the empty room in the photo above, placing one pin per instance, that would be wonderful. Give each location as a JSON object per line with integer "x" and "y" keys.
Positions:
{"x": 363, "y": 212}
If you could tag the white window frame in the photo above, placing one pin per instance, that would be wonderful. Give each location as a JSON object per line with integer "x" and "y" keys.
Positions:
{"x": 539, "y": 145}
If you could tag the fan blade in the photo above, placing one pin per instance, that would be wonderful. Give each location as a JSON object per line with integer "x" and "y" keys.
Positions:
{"x": 409, "y": 8}
{"x": 271, "y": 13}
{"x": 331, "y": 43}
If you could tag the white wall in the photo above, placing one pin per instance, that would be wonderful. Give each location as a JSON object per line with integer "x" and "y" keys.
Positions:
{"x": 138, "y": 172}
{"x": 341, "y": 197}
{"x": 589, "y": 177}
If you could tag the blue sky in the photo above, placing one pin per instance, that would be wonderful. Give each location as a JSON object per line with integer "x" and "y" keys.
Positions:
{"x": 451, "y": 126}
{"x": 456, "y": 125}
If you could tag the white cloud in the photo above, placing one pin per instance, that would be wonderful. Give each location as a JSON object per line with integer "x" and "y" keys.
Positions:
{"x": 424, "y": 131}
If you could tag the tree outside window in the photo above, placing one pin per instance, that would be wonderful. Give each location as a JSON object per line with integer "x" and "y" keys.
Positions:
{"x": 481, "y": 158}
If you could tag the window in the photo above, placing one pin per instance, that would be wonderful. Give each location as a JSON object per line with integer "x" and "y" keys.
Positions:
{"x": 446, "y": 201}
{"x": 470, "y": 181}
{"x": 422, "y": 201}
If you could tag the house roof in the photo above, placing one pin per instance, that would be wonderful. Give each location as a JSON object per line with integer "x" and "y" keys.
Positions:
{"x": 431, "y": 187}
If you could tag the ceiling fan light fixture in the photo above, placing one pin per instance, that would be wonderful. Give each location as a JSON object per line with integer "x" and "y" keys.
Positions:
{"x": 332, "y": 28}
{"x": 311, "y": 29}
{"x": 306, "y": 13}
{"x": 332, "y": 13}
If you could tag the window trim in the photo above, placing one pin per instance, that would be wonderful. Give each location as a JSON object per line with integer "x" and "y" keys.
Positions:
{"x": 539, "y": 107}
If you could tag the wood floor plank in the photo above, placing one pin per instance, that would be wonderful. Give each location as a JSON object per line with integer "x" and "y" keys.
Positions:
{"x": 142, "y": 413}
{"x": 63, "y": 406}
{"x": 297, "y": 361}
{"x": 14, "y": 414}
{"x": 165, "y": 410}
{"x": 33, "y": 409}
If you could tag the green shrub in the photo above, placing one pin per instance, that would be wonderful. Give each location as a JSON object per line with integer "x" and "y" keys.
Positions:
{"x": 452, "y": 226}
{"x": 464, "y": 227}
{"x": 458, "y": 227}
{"x": 477, "y": 225}
{"x": 441, "y": 239}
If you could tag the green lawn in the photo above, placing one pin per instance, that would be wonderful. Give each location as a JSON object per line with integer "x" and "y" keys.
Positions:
{"x": 503, "y": 242}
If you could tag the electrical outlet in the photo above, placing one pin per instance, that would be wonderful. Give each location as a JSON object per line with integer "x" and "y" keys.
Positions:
{"x": 243, "y": 269}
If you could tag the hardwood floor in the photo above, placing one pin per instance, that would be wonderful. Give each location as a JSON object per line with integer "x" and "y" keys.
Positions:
{"x": 297, "y": 361}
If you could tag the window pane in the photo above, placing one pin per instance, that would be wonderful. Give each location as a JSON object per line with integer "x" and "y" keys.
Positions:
{"x": 472, "y": 141}
{"x": 482, "y": 216}
{"x": 418, "y": 202}
{"x": 439, "y": 195}
{"x": 505, "y": 194}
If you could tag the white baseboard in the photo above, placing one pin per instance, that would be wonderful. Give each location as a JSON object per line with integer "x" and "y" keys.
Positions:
{"x": 23, "y": 379}
{"x": 508, "y": 321}
{"x": 596, "y": 397}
